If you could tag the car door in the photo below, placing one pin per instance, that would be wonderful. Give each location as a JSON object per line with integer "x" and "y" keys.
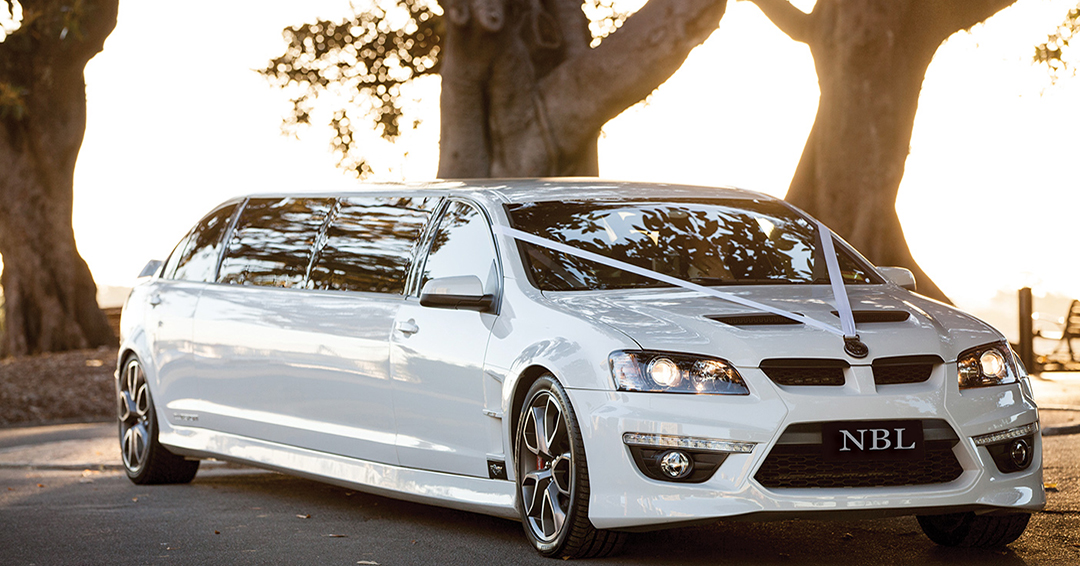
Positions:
{"x": 300, "y": 355}
{"x": 437, "y": 354}
{"x": 171, "y": 302}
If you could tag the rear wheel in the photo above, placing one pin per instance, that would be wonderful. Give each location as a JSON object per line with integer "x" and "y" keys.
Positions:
{"x": 145, "y": 460}
{"x": 553, "y": 478}
{"x": 969, "y": 529}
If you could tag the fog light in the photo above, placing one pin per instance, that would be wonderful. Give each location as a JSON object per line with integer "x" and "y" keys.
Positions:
{"x": 995, "y": 437}
{"x": 1020, "y": 453}
{"x": 675, "y": 463}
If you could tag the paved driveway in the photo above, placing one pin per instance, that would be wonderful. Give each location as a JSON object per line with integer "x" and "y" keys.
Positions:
{"x": 64, "y": 500}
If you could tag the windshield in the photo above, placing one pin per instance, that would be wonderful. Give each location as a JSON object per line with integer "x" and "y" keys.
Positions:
{"x": 716, "y": 242}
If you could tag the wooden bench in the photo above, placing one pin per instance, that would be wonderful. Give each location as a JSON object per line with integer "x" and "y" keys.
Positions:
{"x": 1069, "y": 332}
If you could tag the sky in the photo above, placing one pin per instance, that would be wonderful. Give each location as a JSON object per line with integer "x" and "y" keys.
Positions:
{"x": 178, "y": 121}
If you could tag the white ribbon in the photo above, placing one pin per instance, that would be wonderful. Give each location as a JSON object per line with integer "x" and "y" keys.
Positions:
{"x": 839, "y": 292}
{"x": 836, "y": 281}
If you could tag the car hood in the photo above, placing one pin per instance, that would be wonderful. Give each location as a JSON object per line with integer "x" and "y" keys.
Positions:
{"x": 674, "y": 319}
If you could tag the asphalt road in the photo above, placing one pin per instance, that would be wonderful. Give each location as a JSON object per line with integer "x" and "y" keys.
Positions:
{"x": 63, "y": 500}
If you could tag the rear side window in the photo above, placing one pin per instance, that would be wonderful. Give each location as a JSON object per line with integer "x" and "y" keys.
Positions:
{"x": 195, "y": 257}
{"x": 271, "y": 245}
{"x": 369, "y": 244}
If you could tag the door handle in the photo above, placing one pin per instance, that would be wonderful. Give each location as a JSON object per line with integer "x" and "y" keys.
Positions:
{"x": 408, "y": 327}
{"x": 155, "y": 300}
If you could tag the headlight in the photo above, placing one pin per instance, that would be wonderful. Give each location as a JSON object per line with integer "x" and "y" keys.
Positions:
{"x": 985, "y": 366}
{"x": 680, "y": 373}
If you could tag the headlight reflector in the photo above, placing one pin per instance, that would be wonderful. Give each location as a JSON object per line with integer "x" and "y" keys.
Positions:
{"x": 671, "y": 372}
{"x": 992, "y": 364}
{"x": 986, "y": 366}
{"x": 664, "y": 372}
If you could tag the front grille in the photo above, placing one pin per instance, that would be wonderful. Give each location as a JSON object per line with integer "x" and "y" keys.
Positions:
{"x": 793, "y": 372}
{"x": 798, "y": 461}
{"x": 906, "y": 369}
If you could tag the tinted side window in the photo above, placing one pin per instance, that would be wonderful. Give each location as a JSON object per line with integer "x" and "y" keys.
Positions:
{"x": 369, "y": 244}
{"x": 271, "y": 245}
{"x": 177, "y": 253}
{"x": 197, "y": 259}
{"x": 462, "y": 245}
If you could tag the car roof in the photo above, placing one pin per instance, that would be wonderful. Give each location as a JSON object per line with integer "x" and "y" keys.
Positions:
{"x": 512, "y": 191}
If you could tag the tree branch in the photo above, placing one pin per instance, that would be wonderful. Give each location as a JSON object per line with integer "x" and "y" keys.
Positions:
{"x": 574, "y": 26}
{"x": 583, "y": 93}
{"x": 950, "y": 16}
{"x": 789, "y": 19}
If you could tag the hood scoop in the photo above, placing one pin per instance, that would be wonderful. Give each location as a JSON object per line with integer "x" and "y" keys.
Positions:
{"x": 864, "y": 317}
{"x": 752, "y": 319}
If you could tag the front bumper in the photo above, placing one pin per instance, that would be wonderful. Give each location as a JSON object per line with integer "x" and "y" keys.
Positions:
{"x": 622, "y": 497}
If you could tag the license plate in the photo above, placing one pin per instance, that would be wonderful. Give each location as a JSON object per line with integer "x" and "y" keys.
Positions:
{"x": 873, "y": 440}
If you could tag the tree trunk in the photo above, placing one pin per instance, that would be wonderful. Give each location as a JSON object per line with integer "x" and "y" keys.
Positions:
{"x": 523, "y": 95}
{"x": 871, "y": 58}
{"x": 50, "y": 295}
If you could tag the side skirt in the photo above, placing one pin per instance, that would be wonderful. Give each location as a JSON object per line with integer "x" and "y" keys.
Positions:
{"x": 478, "y": 495}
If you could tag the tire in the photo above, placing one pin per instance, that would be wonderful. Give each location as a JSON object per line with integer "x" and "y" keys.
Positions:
{"x": 971, "y": 530}
{"x": 553, "y": 478}
{"x": 145, "y": 460}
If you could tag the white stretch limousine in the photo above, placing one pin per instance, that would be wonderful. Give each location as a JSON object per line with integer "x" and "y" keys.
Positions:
{"x": 588, "y": 357}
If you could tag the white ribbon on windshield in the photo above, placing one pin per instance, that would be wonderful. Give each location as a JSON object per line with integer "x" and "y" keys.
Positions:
{"x": 843, "y": 306}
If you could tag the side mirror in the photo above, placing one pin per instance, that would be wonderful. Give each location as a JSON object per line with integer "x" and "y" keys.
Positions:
{"x": 464, "y": 292}
{"x": 150, "y": 268}
{"x": 900, "y": 276}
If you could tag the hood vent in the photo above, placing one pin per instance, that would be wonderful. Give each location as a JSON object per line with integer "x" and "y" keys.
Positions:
{"x": 751, "y": 319}
{"x": 769, "y": 319}
{"x": 863, "y": 317}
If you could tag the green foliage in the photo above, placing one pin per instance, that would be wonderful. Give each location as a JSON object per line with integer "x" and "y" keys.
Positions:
{"x": 1057, "y": 52}
{"x": 359, "y": 64}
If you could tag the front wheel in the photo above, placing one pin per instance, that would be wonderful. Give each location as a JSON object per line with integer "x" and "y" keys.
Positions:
{"x": 553, "y": 478}
{"x": 969, "y": 529}
{"x": 146, "y": 461}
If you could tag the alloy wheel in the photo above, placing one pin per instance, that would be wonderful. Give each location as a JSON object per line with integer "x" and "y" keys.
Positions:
{"x": 546, "y": 467}
{"x": 133, "y": 408}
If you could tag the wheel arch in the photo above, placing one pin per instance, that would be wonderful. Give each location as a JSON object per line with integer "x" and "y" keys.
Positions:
{"x": 126, "y": 352}
{"x": 521, "y": 386}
